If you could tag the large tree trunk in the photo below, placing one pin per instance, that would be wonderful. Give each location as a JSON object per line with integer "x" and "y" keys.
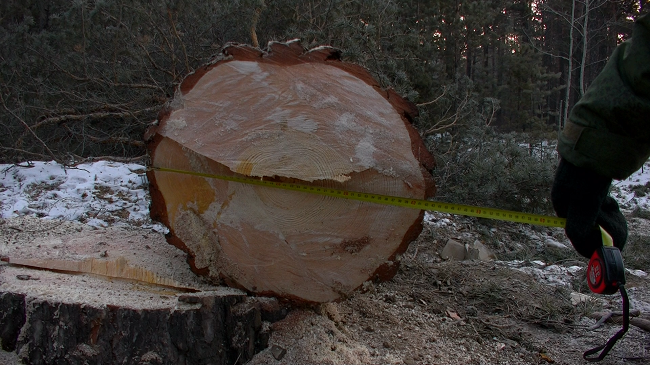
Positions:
{"x": 288, "y": 116}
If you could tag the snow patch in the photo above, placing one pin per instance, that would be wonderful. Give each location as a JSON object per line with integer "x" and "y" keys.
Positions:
{"x": 555, "y": 275}
{"x": 99, "y": 194}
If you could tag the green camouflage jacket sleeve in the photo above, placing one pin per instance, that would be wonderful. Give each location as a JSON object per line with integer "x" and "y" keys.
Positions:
{"x": 609, "y": 128}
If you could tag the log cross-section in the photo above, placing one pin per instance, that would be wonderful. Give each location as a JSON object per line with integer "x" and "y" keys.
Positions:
{"x": 292, "y": 116}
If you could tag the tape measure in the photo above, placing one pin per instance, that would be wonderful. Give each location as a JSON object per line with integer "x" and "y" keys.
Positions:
{"x": 606, "y": 275}
{"x": 467, "y": 210}
{"x": 606, "y": 272}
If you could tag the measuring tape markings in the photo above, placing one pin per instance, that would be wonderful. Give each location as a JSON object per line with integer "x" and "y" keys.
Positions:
{"x": 467, "y": 210}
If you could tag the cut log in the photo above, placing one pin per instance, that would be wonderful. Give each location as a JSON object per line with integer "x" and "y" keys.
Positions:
{"x": 291, "y": 116}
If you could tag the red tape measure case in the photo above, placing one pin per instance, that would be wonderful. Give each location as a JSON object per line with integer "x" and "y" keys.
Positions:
{"x": 606, "y": 273}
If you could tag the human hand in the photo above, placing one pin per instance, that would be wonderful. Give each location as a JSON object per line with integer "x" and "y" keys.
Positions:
{"x": 581, "y": 196}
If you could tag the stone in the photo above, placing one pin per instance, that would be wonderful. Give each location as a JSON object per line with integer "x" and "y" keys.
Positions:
{"x": 453, "y": 250}
{"x": 579, "y": 298}
{"x": 549, "y": 242}
{"x": 478, "y": 251}
{"x": 278, "y": 352}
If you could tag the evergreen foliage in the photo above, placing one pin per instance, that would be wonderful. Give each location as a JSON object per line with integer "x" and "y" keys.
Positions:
{"x": 503, "y": 170}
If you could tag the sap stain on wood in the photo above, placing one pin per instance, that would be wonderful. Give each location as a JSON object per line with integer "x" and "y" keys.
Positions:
{"x": 354, "y": 246}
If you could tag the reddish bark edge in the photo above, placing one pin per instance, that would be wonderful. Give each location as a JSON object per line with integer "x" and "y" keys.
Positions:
{"x": 387, "y": 270}
{"x": 158, "y": 211}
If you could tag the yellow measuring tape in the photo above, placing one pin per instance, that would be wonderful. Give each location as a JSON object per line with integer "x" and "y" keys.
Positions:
{"x": 468, "y": 210}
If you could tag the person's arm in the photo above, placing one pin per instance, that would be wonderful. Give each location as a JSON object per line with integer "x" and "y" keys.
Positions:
{"x": 607, "y": 137}
{"x": 609, "y": 128}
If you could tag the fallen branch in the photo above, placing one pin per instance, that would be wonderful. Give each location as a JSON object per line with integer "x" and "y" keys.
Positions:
{"x": 617, "y": 317}
{"x": 96, "y": 115}
{"x": 80, "y": 160}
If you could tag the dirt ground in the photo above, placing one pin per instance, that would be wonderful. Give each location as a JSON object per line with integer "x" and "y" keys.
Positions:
{"x": 470, "y": 312}
{"x": 514, "y": 310}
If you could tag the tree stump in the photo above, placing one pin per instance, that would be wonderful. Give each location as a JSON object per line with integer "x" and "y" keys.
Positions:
{"x": 291, "y": 116}
{"x": 59, "y": 304}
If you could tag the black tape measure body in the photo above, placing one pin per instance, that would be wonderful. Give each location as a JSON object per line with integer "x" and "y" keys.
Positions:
{"x": 606, "y": 272}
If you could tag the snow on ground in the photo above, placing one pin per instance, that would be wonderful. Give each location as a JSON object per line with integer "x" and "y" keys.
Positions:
{"x": 634, "y": 192}
{"x": 105, "y": 193}
{"x": 99, "y": 194}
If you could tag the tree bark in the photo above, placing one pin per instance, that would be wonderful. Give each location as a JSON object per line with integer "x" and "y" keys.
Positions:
{"x": 73, "y": 294}
{"x": 585, "y": 44}
{"x": 567, "y": 94}
{"x": 289, "y": 116}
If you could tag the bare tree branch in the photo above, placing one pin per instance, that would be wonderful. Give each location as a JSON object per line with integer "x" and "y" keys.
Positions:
{"x": 99, "y": 115}
{"x": 444, "y": 91}
{"x": 79, "y": 159}
{"x": 4, "y": 105}
{"x": 448, "y": 122}
{"x": 24, "y": 152}
{"x": 188, "y": 69}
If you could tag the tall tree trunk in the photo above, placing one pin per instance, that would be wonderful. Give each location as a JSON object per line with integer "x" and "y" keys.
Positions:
{"x": 469, "y": 62}
{"x": 256, "y": 18}
{"x": 585, "y": 44}
{"x": 570, "y": 71}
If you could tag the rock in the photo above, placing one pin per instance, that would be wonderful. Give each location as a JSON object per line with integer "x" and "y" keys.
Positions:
{"x": 278, "y": 352}
{"x": 410, "y": 361}
{"x": 478, "y": 251}
{"x": 554, "y": 243}
{"x": 579, "y": 298}
{"x": 453, "y": 250}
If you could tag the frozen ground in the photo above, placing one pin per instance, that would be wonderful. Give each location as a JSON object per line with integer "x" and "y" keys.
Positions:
{"x": 99, "y": 194}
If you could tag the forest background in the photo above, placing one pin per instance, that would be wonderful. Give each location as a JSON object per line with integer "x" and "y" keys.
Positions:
{"x": 493, "y": 80}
